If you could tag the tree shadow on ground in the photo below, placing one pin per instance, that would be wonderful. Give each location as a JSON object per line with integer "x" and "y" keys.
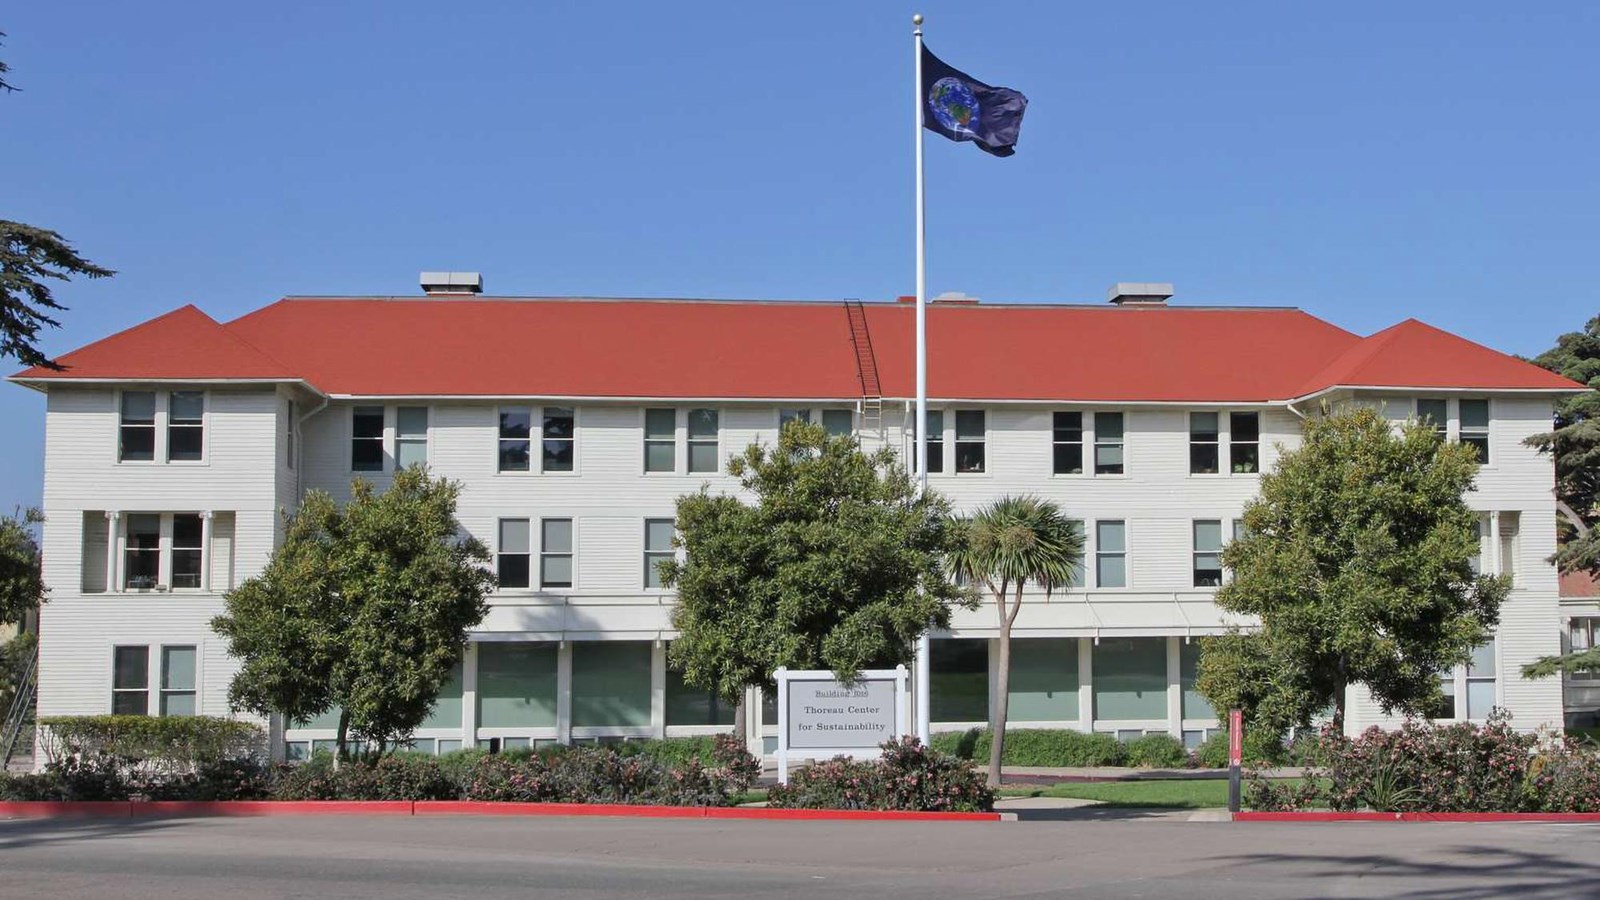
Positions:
{"x": 1476, "y": 872}
{"x": 18, "y": 833}
{"x": 1099, "y": 813}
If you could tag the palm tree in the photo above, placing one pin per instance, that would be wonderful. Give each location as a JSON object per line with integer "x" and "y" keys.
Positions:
{"x": 1004, "y": 547}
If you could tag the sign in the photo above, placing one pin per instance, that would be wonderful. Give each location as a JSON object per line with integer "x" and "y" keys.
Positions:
{"x": 1235, "y": 738}
{"x": 821, "y": 717}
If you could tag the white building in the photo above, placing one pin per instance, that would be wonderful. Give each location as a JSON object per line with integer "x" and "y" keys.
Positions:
{"x": 173, "y": 449}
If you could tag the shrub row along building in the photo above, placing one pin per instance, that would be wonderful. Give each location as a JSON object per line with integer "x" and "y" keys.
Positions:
{"x": 173, "y": 449}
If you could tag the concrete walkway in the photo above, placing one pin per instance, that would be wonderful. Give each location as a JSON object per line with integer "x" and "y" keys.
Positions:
{"x": 1055, "y": 774}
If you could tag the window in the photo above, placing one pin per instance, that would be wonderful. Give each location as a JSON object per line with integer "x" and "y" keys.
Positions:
{"x": 142, "y": 556}
{"x": 969, "y": 440}
{"x": 1475, "y": 427}
{"x": 703, "y": 424}
{"x": 1479, "y": 529}
{"x": 187, "y": 547}
{"x": 130, "y": 681}
{"x": 366, "y": 439}
{"x": 1435, "y": 413}
{"x": 657, "y": 549}
{"x": 839, "y": 422}
{"x": 515, "y": 446}
{"x": 660, "y": 440}
{"x": 1510, "y": 523}
{"x": 559, "y": 437}
{"x": 1207, "y": 552}
{"x": 1581, "y": 634}
{"x": 1108, "y": 443}
{"x": 934, "y": 429}
{"x": 1480, "y": 681}
{"x": 1079, "y": 574}
{"x": 1110, "y": 554}
{"x": 177, "y": 681}
{"x": 138, "y": 432}
{"x": 1067, "y": 443}
{"x": 288, "y": 435}
{"x": 1203, "y": 450}
{"x": 186, "y": 416}
{"x": 785, "y": 416}
{"x": 410, "y": 436}
{"x": 512, "y": 564}
{"x": 555, "y": 553}
{"x": 1244, "y": 442}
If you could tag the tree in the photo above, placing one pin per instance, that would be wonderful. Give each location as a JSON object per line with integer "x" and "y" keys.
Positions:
{"x": 21, "y": 584}
{"x": 837, "y": 564}
{"x": 1005, "y": 546}
{"x": 364, "y": 609}
{"x": 30, "y": 257}
{"x": 1575, "y": 445}
{"x": 1356, "y": 559}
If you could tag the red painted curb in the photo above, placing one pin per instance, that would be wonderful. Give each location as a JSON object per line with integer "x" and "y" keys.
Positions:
{"x": 1413, "y": 817}
{"x": 122, "y": 809}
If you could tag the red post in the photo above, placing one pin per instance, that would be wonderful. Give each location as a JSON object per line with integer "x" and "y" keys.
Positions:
{"x": 1235, "y": 756}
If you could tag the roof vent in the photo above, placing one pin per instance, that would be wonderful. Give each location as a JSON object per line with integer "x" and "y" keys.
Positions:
{"x": 954, "y": 297}
{"x": 1139, "y": 293}
{"x": 451, "y": 282}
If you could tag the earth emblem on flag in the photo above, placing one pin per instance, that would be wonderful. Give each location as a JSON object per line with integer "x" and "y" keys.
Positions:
{"x": 954, "y": 105}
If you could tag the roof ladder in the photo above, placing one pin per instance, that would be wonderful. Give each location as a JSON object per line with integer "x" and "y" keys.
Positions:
{"x": 866, "y": 368}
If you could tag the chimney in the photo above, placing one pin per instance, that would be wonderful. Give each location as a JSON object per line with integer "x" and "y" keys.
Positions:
{"x": 1139, "y": 293}
{"x": 954, "y": 297}
{"x": 451, "y": 283}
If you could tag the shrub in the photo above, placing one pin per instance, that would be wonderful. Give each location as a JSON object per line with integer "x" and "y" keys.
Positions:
{"x": 1156, "y": 751}
{"x": 1213, "y": 751}
{"x": 669, "y": 750}
{"x": 68, "y": 779}
{"x": 908, "y": 776}
{"x": 605, "y": 775}
{"x": 394, "y": 777}
{"x": 1035, "y": 747}
{"x": 148, "y": 747}
{"x": 228, "y": 779}
{"x": 1565, "y": 777}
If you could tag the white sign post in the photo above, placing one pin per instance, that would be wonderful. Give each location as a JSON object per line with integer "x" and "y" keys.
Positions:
{"x": 820, "y": 717}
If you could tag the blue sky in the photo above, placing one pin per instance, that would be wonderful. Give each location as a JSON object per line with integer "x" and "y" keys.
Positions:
{"x": 1364, "y": 161}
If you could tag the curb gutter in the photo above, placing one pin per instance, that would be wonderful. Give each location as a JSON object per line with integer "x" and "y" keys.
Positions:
{"x": 125, "y": 809}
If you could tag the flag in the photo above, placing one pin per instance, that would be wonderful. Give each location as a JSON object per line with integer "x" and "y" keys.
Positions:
{"x": 962, "y": 108}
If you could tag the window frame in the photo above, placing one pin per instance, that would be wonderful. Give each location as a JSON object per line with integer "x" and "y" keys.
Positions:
{"x": 290, "y": 438}
{"x": 544, "y": 425}
{"x": 160, "y": 426}
{"x": 1460, "y": 680}
{"x": 1464, "y": 435}
{"x": 1125, "y": 554}
{"x": 1234, "y": 444}
{"x": 144, "y": 651}
{"x": 526, "y": 553}
{"x": 427, "y": 435}
{"x": 1588, "y": 626}
{"x": 162, "y": 692}
{"x": 500, "y": 412}
{"x": 1215, "y": 443}
{"x": 382, "y": 438}
{"x": 571, "y": 553}
{"x": 1121, "y": 443}
{"x": 201, "y": 425}
{"x": 934, "y": 451}
{"x": 690, "y": 441}
{"x": 670, "y": 441}
{"x": 982, "y": 442}
{"x": 163, "y": 552}
{"x": 1056, "y": 443}
{"x": 652, "y": 558}
{"x": 1196, "y": 553}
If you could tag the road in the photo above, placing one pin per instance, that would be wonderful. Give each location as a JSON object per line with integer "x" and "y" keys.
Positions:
{"x": 1111, "y": 854}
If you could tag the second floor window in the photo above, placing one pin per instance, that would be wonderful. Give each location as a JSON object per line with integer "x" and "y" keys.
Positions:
{"x": 838, "y": 422}
{"x": 1581, "y": 634}
{"x": 555, "y": 553}
{"x": 1203, "y": 450}
{"x": 410, "y": 436}
{"x": 512, "y": 560}
{"x": 1436, "y": 413}
{"x": 560, "y": 436}
{"x": 1208, "y": 553}
{"x": 137, "y": 434}
{"x": 703, "y": 429}
{"x": 163, "y": 549}
{"x": 515, "y": 444}
{"x": 366, "y": 439}
{"x": 969, "y": 440}
{"x": 186, "y": 413}
{"x": 935, "y": 435}
{"x": 1066, "y": 443}
{"x": 657, "y": 549}
{"x": 1475, "y": 427}
{"x": 1244, "y": 442}
{"x": 1110, "y": 554}
{"x": 141, "y": 556}
{"x": 187, "y": 550}
{"x": 1108, "y": 443}
{"x": 660, "y": 440}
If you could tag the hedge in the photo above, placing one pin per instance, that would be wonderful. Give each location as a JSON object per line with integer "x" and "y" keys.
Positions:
{"x": 908, "y": 776}
{"x": 1036, "y": 747}
{"x": 159, "y": 743}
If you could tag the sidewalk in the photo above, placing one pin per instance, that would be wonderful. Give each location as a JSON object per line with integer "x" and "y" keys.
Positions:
{"x": 1058, "y": 774}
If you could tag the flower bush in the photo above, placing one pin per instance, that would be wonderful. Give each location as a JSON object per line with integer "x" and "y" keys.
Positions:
{"x": 1035, "y": 747}
{"x": 1428, "y": 767}
{"x": 1155, "y": 751}
{"x": 909, "y": 776}
{"x": 604, "y": 775}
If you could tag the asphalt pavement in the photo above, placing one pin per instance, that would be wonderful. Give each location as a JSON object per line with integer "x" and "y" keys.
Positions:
{"x": 1109, "y": 853}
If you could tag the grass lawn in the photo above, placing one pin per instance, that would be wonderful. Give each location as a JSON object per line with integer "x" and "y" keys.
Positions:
{"x": 1175, "y": 794}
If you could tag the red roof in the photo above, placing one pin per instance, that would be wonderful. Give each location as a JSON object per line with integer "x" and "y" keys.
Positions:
{"x": 1579, "y": 584}
{"x": 795, "y": 350}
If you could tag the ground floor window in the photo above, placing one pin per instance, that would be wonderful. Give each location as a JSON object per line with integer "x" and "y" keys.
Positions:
{"x": 1195, "y": 705}
{"x": 1470, "y": 690}
{"x": 688, "y": 705}
{"x": 611, "y": 684}
{"x": 517, "y": 684}
{"x": 447, "y": 707}
{"x": 1043, "y": 686}
{"x": 958, "y": 680}
{"x": 1130, "y": 678}
{"x": 177, "y": 681}
{"x": 130, "y": 681}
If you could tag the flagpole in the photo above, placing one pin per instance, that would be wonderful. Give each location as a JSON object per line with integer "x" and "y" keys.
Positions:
{"x": 924, "y": 644}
